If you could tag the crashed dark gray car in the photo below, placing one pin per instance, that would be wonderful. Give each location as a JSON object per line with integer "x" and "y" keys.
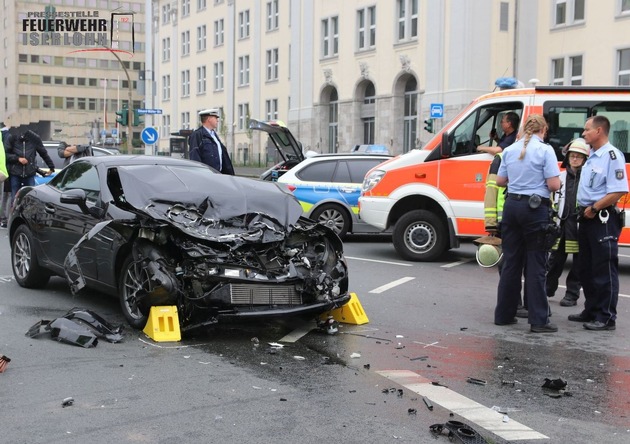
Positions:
{"x": 165, "y": 231}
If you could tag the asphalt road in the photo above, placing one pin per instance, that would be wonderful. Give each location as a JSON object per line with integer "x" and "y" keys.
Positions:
{"x": 428, "y": 323}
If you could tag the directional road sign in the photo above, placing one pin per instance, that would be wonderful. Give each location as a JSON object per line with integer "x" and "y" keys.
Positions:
{"x": 149, "y": 135}
{"x": 437, "y": 110}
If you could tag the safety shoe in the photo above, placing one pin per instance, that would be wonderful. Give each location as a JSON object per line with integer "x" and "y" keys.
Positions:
{"x": 521, "y": 312}
{"x": 547, "y": 328}
{"x": 567, "y": 302}
{"x": 3, "y": 224}
{"x": 580, "y": 317}
{"x": 510, "y": 322}
{"x": 598, "y": 325}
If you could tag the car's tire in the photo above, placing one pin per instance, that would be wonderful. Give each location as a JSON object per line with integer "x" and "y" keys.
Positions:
{"x": 420, "y": 235}
{"x": 334, "y": 217}
{"x": 133, "y": 279}
{"x": 27, "y": 271}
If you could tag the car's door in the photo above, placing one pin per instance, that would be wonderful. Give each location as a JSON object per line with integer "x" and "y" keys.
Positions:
{"x": 63, "y": 225}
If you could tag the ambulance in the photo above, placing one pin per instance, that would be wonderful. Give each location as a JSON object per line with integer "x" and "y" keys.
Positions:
{"x": 432, "y": 198}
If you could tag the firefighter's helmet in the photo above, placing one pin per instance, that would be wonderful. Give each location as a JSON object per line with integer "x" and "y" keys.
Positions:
{"x": 489, "y": 252}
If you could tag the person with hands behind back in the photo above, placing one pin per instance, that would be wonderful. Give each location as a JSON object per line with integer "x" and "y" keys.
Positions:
{"x": 602, "y": 183}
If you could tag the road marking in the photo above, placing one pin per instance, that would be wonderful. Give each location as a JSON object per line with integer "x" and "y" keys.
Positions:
{"x": 455, "y": 264}
{"x": 298, "y": 333}
{"x": 479, "y": 414}
{"x": 621, "y": 295}
{"x": 391, "y": 285}
{"x": 433, "y": 344}
{"x": 379, "y": 262}
{"x": 6, "y": 278}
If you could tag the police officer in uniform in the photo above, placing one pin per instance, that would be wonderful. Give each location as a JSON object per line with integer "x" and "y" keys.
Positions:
{"x": 603, "y": 182}
{"x": 205, "y": 145}
{"x": 530, "y": 170}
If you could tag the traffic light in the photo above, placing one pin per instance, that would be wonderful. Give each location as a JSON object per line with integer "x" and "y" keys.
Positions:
{"x": 428, "y": 125}
{"x": 123, "y": 117}
{"x": 137, "y": 119}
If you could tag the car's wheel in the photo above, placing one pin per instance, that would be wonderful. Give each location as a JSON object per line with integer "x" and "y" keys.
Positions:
{"x": 133, "y": 286}
{"x": 420, "y": 236}
{"x": 26, "y": 269}
{"x": 334, "y": 217}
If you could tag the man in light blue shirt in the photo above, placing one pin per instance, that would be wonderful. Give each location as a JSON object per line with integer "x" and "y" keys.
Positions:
{"x": 603, "y": 182}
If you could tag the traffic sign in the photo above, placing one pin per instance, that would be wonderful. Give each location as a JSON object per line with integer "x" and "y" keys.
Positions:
{"x": 103, "y": 133}
{"x": 437, "y": 110}
{"x": 114, "y": 132}
{"x": 149, "y": 135}
{"x": 149, "y": 111}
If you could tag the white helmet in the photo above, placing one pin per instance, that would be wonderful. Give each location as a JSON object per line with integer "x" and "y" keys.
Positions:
{"x": 489, "y": 251}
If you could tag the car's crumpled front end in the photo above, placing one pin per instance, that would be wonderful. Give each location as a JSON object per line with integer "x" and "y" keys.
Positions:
{"x": 199, "y": 253}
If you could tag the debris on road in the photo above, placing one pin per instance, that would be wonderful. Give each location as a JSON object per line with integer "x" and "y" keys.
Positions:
{"x": 4, "y": 361}
{"x": 80, "y": 327}
{"x": 412, "y": 411}
{"x": 476, "y": 381}
{"x": 427, "y": 403}
{"x": 554, "y": 384}
{"x": 355, "y": 355}
{"x": 457, "y": 432}
{"x": 67, "y": 402}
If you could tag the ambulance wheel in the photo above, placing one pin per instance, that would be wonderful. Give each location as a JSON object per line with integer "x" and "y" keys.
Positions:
{"x": 420, "y": 236}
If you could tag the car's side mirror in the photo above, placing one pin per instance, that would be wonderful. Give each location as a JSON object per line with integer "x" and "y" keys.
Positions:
{"x": 445, "y": 148}
{"x": 75, "y": 197}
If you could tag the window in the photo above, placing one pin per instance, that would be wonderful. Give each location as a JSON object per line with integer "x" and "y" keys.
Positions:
{"x": 243, "y": 70}
{"x": 624, "y": 7}
{"x": 407, "y": 19}
{"x": 185, "y": 83}
{"x": 624, "y": 67}
{"x": 243, "y": 24}
{"x": 574, "y": 74}
{"x": 504, "y": 16}
{"x": 201, "y": 5}
{"x": 79, "y": 175}
{"x": 201, "y": 79}
{"x": 185, "y": 8}
{"x": 185, "y": 43}
{"x": 330, "y": 37}
{"x": 218, "y": 76}
{"x": 166, "y": 124}
{"x": 272, "y": 64}
{"x": 218, "y": 32}
{"x": 201, "y": 38}
{"x": 410, "y": 117}
{"x": 271, "y": 108}
{"x": 557, "y": 72}
{"x": 166, "y": 13}
{"x": 366, "y": 27}
{"x": 272, "y": 15}
{"x": 186, "y": 120}
{"x": 333, "y": 121}
{"x": 47, "y": 80}
{"x": 69, "y": 102}
{"x": 166, "y": 49}
{"x": 568, "y": 12}
{"x": 243, "y": 116}
{"x": 92, "y": 104}
{"x": 166, "y": 87}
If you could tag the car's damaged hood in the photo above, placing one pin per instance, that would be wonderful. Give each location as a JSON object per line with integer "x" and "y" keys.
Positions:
{"x": 154, "y": 190}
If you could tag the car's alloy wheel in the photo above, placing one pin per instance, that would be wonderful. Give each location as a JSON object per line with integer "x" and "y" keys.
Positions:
{"x": 334, "y": 217}
{"x": 26, "y": 269}
{"x": 134, "y": 285}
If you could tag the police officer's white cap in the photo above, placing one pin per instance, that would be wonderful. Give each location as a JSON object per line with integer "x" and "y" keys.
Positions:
{"x": 210, "y": 112}
{"x": 579, "y": 146}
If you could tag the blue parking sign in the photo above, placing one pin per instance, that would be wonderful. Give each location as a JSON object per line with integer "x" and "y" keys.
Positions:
{"x": 437, "y": 110}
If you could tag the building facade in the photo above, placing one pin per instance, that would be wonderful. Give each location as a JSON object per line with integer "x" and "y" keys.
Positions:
{"x": 69, "y": 65}
{"x": 338, "y": 73}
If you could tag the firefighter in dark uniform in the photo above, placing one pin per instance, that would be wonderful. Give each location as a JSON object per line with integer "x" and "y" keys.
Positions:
{"x": 530, "y": 170}
{"x": 603, "y": 182}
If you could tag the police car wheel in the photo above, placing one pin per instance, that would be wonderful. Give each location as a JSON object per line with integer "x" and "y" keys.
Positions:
{"x": 420, "y": 236}
{"x": 334, "y": 217}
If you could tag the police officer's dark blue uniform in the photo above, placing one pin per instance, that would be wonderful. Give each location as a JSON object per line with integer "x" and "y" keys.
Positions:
{"x": 602, "y": 184}
{"x": 530, "y": 169}
{"x": 206, "y": 147}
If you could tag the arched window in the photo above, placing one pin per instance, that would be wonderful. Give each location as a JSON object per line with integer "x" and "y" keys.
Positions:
{"x": 411, "y": 115}
{"x": 333, "y": 120}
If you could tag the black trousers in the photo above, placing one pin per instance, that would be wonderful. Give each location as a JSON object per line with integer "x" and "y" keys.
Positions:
{"x": 555, "y": 267}
{"x": 599, "y": 266}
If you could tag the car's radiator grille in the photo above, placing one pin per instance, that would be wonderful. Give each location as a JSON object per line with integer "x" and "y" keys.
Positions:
{"x": 248, "y": 294}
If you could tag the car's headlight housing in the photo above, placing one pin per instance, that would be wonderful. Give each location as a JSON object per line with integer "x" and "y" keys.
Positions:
{"x": 372, "y": 179}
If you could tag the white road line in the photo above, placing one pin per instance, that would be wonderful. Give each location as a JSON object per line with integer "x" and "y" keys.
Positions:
{"x": 479, "y": 414}
{"x": 392, "y": 284}
{"x": 379, "y": 262}
{"x": 621, "y": 295}
{"x": 298, "y": 333}
{"x": 455, "y": 264}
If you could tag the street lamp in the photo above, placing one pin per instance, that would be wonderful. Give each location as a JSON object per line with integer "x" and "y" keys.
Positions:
{"x": 130, "y": 106}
